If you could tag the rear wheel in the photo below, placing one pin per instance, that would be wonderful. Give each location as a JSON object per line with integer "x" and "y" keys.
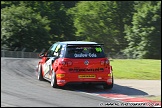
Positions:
{"x": 53, "y": 80}
{"x": 106, "y": 86}
{"x": 40, "y": 76}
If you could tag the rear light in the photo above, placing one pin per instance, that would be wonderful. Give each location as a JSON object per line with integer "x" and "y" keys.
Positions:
{"x": 63, "y": 63}
{"x": 69, "y": 63}
{"x": 107, "y": 62}
{"x": 60, "y": 75}
{"x": 110, "y": 74}
{"x": 104, "y": 62}
{"x": 66, "y": 63}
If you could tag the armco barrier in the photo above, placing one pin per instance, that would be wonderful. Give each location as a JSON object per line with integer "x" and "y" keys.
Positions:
{"x": 22, "y": 54}
{"x": 19, "y": 54}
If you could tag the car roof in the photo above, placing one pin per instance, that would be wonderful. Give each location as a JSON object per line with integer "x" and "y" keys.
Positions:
{"x": 78, "y": 42}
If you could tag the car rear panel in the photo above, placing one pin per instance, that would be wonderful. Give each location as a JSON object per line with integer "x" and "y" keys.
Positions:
{"x": 84, "y": 70}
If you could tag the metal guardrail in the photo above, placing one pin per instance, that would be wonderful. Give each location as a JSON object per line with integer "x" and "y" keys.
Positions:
{"x": 19, "y": 54}
{"x": 22, "y": 54}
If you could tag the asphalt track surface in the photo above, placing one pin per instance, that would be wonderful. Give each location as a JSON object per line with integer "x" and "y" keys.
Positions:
{"x": 21, "y": 88}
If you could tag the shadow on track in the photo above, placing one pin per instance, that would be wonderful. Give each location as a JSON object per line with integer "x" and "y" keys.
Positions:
{"x": 98, "y": 89}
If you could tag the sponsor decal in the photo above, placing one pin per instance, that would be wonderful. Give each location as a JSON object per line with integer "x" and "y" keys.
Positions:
{"x": 85, "y": 55}
{"x": 85, "y": 69}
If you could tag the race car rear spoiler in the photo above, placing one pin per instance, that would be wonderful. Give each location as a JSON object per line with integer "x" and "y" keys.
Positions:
{"x": 101, "y": 44}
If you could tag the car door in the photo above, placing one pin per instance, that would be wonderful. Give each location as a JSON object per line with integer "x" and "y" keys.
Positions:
{"x": 50, "y": 57}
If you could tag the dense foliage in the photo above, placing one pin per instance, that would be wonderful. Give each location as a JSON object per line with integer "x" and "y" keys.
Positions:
{"x": 23, "y": 28}
{"x": 132, "y": 28}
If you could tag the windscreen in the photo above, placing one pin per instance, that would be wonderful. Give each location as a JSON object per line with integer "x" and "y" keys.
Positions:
{"x": 84, "y": 52}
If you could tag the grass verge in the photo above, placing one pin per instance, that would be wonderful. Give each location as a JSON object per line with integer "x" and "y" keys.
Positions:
{"x": 144, "y": 69}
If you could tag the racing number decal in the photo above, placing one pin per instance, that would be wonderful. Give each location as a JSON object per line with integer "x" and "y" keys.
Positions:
{"x": 98, "y": 49}
{"x": 57, "y": 48}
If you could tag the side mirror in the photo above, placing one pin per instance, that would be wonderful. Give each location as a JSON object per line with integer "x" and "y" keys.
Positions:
{"x": 41, "y": 55}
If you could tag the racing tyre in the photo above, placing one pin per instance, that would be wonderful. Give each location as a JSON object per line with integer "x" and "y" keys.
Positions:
{"x": 40, "y": 76}
{"x": 106, "y": 86}
{"x": 53, "y": 80}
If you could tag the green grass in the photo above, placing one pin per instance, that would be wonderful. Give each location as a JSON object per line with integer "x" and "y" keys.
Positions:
{"x": 144, "y": 69}
{"x": 154, "y": 98}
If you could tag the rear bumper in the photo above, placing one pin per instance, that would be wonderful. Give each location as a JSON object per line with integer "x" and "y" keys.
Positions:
{"x": 87, "y": 82}
{"x": 74, "y": 78}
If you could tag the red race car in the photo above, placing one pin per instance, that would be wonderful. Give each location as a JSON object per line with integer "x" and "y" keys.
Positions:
{"x": 75, "y": 62}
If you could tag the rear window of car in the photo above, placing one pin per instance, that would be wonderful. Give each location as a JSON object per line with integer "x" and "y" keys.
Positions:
{"x": 84, "y": 52}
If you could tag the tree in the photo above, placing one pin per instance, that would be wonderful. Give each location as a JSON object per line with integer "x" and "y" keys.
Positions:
{"x": 69, "y": 4}
{"x": 144, "y": 36}
{"x": 103, "y": 22}
{"x": 61, "y": 23}
{"x": 23, "y": 28}
{"x": 9, "y": 3}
